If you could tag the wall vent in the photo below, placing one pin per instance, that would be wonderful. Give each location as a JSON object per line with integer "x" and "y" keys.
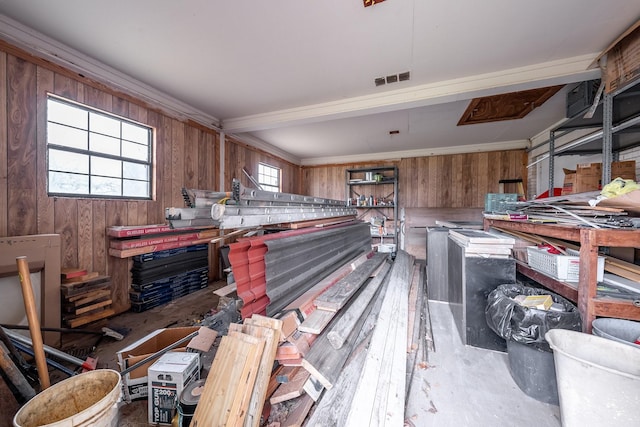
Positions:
{"x": 392, "y": 78}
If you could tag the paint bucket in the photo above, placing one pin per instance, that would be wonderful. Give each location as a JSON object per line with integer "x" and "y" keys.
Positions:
{"x": 87, "y": 399}
{"x": 188, "y": 401}
{"x": 598, "y": 379}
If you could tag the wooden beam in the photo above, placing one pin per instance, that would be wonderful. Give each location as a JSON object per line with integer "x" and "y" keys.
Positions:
{"x": 380, "y": 395}
{"x": 343, "y": 327}
{"x": 334, "y": 298}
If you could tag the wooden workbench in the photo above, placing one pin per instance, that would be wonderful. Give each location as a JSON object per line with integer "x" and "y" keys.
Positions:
{"x": 589, "y": 304}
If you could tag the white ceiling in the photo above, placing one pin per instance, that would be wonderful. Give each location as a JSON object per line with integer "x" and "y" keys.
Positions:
{"x": 299, "y": 75}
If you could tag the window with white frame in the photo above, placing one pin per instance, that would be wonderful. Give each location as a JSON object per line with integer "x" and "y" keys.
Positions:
{"x": 269, "y": 177}
{"x": 91, "y": 153}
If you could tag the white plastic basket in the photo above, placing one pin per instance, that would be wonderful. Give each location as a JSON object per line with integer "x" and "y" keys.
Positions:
{"x": 562, "y": 267}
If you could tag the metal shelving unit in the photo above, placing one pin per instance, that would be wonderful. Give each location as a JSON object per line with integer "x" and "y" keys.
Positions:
{"x": 616, "y": 124}
{"x": 374, "y": 193}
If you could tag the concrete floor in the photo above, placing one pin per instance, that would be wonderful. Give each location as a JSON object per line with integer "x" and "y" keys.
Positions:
{"x": 469, "y": 386}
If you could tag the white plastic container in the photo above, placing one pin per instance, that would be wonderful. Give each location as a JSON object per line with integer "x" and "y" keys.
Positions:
{"x": 598, "y": 380}
{"x": 562, "y": 267}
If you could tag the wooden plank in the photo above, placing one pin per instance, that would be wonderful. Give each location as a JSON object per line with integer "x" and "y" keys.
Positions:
{"x": 290, "y": 323}
{"x": 337, "y": 296}
{"x": 21, "y": 147}
{"x": 85, "y": 298}
{"x": 81, "y": 279}
{"x": 66, "y": 218}
{"x": 99, "y": 236}
{"x": 74, "y": 323}
{"x": 259, "y": 392}
{"x": 85, "y": 233}
{"x": 72, "y": 289}
{"x": 177, "y": 163}
{"x": 291, "y": 389}
{"x": 4, "y": 207}
{"x": 341, "y": 329}
{"x": 91, "y": 307}
{"x": 286, "y": 374}
{"x": 226, "y": 290}
{"x": 413, "y": 300}
{"x": 267, "y": 322}
{"x": 379, "y": 398}
{"x": 323, "y": 361}
{"x": 332, "y": 410}
{"x": 68, "y": 273}
{"x": 273, "y": 382}
{"x": 304, "y": 303}
{"x": 232, "y": 374}
{"x": 296, "y": 417}
{"x": 45, "y": 212}
{"x": 317, "y": 321}
{"x": 127, "y": 253}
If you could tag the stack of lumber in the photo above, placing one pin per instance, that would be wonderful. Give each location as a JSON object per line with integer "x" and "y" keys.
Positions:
{"x": 86, "y": 297}
{"x": 353, "y": 370}
{"x": 237, "y": 384}
{"x": 128, "y": 241}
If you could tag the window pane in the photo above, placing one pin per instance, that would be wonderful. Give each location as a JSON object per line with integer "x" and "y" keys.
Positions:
{"x": 135, "y": 151}
{"x": 135, "y": 133}
{"x": 67, "y": 114}
{"x": 104, "y": 144}
{"x": 65, "y": 161}
{"x": 106, "y": 167}
{"x": 68, "y": 183}
{"x": 66, "y": 136}
{"x": 104, "y": 124}
{"x": 135, "y": 188}
{"x": 93, "y": 153}
{"x": 135, "y": 171}
{"x": 101, "y": 186}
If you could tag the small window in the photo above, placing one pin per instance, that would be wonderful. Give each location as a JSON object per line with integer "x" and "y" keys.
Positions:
{"x": 269, "y": 177}
{"x": 91, "y": 153}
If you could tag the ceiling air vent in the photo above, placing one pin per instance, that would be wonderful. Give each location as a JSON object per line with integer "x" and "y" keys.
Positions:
{"x": 393, "y": 78}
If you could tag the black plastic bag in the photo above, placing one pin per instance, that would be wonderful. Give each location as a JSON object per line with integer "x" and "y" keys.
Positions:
{"x": 525, "y": 325}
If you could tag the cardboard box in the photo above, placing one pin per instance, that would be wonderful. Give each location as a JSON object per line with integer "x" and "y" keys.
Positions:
{"x": 588, "y": 177}
{"x": 168, "y": 376}
{"x": 135, "y": 382}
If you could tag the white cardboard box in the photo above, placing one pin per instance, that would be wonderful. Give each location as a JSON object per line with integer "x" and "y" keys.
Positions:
{"x": 167, "y": 378}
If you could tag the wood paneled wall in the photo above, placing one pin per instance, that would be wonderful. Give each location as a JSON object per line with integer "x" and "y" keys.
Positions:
{"x": 449, "y": 181}
{"x": 186, "y": 155}
{"x": 239, "y": 155}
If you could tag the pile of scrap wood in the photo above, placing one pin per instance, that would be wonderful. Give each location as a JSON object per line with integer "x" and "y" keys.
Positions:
{"x": 86, "y": 297}
{"x": 344, "y": 353}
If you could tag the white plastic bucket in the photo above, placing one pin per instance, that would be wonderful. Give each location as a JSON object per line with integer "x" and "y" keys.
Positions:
{"x": 87, "y": 399}
{"x": 598, "y": 380}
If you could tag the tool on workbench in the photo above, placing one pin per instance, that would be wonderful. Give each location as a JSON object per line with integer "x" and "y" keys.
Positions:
{"x": 88, "y": 365}
{"x": 34, "y": 321}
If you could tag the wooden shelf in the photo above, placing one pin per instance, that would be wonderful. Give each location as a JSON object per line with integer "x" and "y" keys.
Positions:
{"x": 590, "y": 239}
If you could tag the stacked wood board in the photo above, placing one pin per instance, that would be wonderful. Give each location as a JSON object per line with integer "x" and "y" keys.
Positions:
{"x": 352, "y": 371}
{"x": 86, "y": 297}
{"x": 167, "y": 263}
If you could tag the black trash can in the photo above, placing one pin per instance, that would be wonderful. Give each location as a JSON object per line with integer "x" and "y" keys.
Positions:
{"x": 531, "y": 361}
